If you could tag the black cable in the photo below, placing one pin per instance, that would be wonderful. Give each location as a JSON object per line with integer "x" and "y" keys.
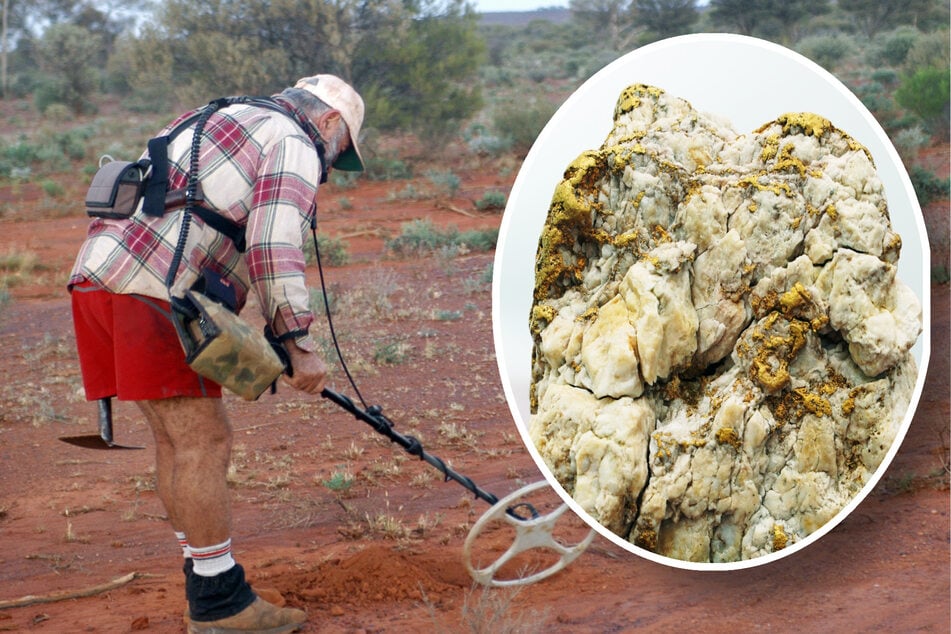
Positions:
{"x": 191, "y": 190}
{"x": 330, "y": 323}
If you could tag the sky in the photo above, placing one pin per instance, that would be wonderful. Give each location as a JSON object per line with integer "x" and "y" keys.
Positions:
{"x": 484, "y": 6}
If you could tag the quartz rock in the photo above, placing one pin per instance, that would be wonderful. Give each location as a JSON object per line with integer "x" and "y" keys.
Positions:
{"x": 721, "y": 344}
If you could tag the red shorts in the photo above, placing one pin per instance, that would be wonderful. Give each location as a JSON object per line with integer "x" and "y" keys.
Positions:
{"x": 128, "y": 348}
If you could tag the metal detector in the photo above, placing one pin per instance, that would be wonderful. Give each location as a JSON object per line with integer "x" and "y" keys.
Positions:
{"x": 533, "y": 530}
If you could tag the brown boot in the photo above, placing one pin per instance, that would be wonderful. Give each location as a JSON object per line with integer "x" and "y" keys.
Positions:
{"x": 260, "y": 617}
{"x": 271, "y": 595}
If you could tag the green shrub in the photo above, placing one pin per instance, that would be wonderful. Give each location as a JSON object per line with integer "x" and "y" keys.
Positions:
{"x": 825, "y": 50}
{"x": 339, "y": 481}
{"x": 876, "y": 98}
{"x": 521, "y": 121}
{"x": 344, "y": 180}
{"x": 58, "y": 113}
{"x": 333, "y": 251}
{"x": 929, "y": 187}
{"x": 447, "y": 181}
{"x": 927, "y": 93}
{"x": 487, "y": 272}
{"x": 317, "y": 304}
{"x": 895, "y": 46}
{"x": 931, "y": 50}
{"x": 52, "y": 188}
{"x": 421, "y": 237}
{"x": 481, "y": 141}
{"x": 479, "y": 239}
{"x": 885, "y": 76}
{"x": 908, "y": 141}
{"x": 387, "y": 168}
{"x": 491, "y": 200}
{"x": 447, "y": 315}
{"x": 391, "y": 352}
{"x": 410, "y": 192}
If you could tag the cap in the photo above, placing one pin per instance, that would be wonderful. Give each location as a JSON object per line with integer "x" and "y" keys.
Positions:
{"x": 340, "y": 96}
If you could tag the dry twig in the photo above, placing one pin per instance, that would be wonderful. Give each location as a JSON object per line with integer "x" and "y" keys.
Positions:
{"x": 70, "y": 594}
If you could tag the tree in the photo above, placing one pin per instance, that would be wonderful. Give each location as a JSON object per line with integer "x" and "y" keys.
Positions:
{"x": 414, "y": 61}
{"x": 927, "y": 93}
{"x": 420, "y": 77}
{"x": 873, "y": 16}
{"x": 790, "y": 14}
{"x": 611, "y": 21}
{"x": 743, "y": 15}
{"x": 4, "y": 24}
{"x": 666, "y": 18}
{"x": 11, "y": 27}
{"x": 781, "y": 17}
{"x": 68, "y": 56}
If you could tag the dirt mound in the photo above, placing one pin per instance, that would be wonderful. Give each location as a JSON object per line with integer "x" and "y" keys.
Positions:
{"x": 373, "y": 575}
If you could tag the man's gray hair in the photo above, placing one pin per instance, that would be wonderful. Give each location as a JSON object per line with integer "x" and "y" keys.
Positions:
{"x": 313, "y": 107}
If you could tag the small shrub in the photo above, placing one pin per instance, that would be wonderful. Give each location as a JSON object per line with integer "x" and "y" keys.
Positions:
{"x": 391, "y": 352}
{"x": 480, "y": 141}
{"x": 939, "y": 274}
{"x": 825, "y": 50}
{"x": 387, "y": 168}
{"x": 929, "y": 187}
{"x": 487, "y": 273}
{"x": 491, "y": 200}
{"x": 895, "y": 46}
{"x": 909, "y": 140}
{"x": 319, "y": 305}
{"x": 52, "y": 188}
{"x": 446, "y": 181}
{"x": 884, "y": 76}
{"x": 521, "y": 121}
{"x": 410, "y": 192}
{"x": 18, "y": 264}
{"x": 339, "y": 481}
{"x": 344, "y": 180}
{"x": 58, "y": 113}
{"x": 479, "y": 239}
{"x": 927, "y": 93}
{"x": 931, "y": 50}
{"x": 333, "y": 251}
{"x": 421, "y": 237}
{"x": 447, "y": 315}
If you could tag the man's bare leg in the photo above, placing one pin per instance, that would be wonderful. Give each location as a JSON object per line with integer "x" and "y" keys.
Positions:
{"x": 192, "y": 453}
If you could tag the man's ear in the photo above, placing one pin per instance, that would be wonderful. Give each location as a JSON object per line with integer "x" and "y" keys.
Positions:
{"x": 327, "y": 121}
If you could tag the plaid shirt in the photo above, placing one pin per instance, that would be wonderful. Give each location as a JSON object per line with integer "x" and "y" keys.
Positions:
{"x": 256, "y": 168}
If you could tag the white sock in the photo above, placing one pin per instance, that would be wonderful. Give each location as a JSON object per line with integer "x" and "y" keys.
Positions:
{"x": 212, "y": 560}
{"x": 183, "y": 542}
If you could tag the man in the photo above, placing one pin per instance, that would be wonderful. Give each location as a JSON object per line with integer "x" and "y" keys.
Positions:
{"x": 260, "y": 169}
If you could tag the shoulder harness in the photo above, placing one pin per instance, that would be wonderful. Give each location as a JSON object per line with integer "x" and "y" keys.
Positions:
{"x": 156, "y": 188}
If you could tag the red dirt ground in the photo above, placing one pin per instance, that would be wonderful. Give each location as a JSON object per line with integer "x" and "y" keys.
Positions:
{"x": 385, "y": 555}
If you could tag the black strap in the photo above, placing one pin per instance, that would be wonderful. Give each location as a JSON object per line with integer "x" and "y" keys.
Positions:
{"x": 157, "y": 184}
{"x": 229, "y": 228}
{"x": 154, "y": 203}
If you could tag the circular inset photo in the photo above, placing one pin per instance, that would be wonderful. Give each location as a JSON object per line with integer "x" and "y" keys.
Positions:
{"x": 711, "y": 302}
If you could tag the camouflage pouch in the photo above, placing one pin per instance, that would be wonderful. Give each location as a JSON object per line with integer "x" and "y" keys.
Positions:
{"x": 222, "y": 347}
